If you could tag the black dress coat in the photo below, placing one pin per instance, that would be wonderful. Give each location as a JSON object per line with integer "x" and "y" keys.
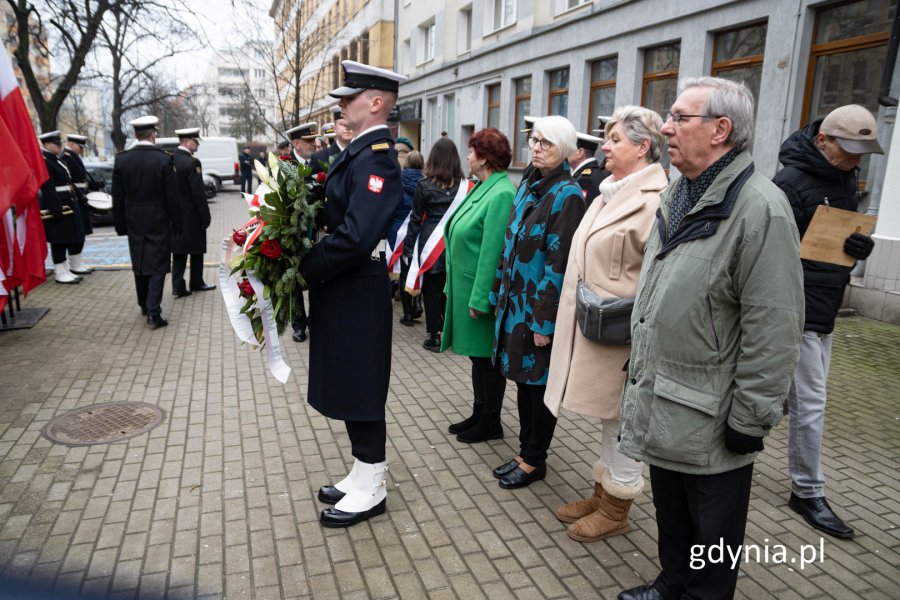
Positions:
{"x": 195, "y": 217}
{"x": 79, "y": 179}
{"x": 589, "y": 175}
{"x": 349, "y": 292}
{"x": 146, "y": 206}
{"x": 323, "y": 156}
{"x": 60, "y": 229}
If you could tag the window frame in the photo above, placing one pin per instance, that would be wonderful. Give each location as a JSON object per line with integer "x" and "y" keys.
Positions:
{"x": 599, "y": 85}
{"x": 493, "y": 103}
{"x": 501, "y": 25}
{"x": 518, "y": 118}
{"x": 558, "y": 92}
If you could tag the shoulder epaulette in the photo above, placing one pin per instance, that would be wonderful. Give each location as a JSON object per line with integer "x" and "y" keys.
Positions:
{"x": 380, "y": 147}
{"x": 586, "y": 172}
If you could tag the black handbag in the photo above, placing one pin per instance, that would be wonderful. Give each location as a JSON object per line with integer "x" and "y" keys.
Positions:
{"x": 605, "y": 320}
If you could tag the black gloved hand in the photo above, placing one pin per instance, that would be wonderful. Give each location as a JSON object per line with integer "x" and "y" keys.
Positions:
{"x": 316, "y": 193}
{"x": 741, "y": 443}
{"x": 859, "y": 246}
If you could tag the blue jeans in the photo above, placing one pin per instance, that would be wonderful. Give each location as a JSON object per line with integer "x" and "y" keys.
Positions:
{"x": 806, "y": 407}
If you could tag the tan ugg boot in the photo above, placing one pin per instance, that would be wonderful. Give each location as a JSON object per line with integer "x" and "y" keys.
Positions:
{"x": 611, "y": 516}
{"x": 571, "y": 512}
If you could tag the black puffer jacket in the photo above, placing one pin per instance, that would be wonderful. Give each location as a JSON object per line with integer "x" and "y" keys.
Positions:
{"x": 429, "y": 204}
{"x": 808, "y": 180}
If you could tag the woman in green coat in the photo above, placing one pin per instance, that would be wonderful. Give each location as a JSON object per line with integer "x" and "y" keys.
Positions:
{"x": 473, "y": 240}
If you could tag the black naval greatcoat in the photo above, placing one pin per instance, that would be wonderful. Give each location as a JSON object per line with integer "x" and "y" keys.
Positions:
{"x": 146, "y": 206}
{"x": 57, "y": 193}
{"x": 323, "y": 156}
{"x": 195, "y": 217}
{"x": 589, "y": 175}
{"x": 349, "y": 291}
{"x": 79, "y": 179}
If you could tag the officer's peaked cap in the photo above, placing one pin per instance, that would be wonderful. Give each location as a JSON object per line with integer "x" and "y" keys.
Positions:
{"x": 359, "y": 77}
{"x": 145, "y": 123}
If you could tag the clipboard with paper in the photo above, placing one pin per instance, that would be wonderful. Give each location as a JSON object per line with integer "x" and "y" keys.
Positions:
{"x": 824, "y": 238}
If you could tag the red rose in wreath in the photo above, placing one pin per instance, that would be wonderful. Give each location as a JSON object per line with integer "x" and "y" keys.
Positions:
{"x": 320, "y": 177}
{"x": 239, "y": 237}
{"x": 270, "y": 249}
{"x": 246, "y": 288}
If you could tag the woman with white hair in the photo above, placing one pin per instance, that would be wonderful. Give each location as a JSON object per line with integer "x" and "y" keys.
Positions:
{"x": 549, "y": 205}
{"x": 586, "y": 373}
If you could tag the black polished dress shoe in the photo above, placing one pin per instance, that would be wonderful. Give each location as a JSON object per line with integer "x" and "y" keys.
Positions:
{"x": 482, "y": 432}
{"x": 519, "y": 478}
{"x": 156, "y": 322}
{"x": 817, "y": 513}
{"x": 407, "y": 320}
{"x": 505, "y": 469}
{"x": 203, "y": 288}
{"x": 642, "y": 592}
{"x": 330, "y": 494}
{"x": 181, "y": 293}
{"x": 143, "y": 311}
{"x": 332, "y": 517}
{"x": 299, "y": 335}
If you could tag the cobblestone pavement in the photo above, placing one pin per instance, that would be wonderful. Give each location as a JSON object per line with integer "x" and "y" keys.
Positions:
{"x": 219, "y": 500}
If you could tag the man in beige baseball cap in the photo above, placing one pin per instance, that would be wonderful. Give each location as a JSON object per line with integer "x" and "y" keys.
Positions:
{"x": 821, "y": 166}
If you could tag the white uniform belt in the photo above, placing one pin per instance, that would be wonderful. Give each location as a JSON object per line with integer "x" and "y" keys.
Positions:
{"x": 64, "y": 188}
{"x": 81, "y": 186}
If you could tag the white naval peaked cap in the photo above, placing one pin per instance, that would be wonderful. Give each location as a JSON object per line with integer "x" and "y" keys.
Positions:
{"x": 144, "y": 123}
{"x": 588, "y": 142}
{"x": 359, "y": 77}
{"x": 81, "y": 140}
{"x": 190, "y": 132}
{"x": 306, "y": 131}
{"x": 529, "y": 123}
{"x": 328, "y": 130}
{"x": 51, "y": 136}
{"x": 603, "y": 119}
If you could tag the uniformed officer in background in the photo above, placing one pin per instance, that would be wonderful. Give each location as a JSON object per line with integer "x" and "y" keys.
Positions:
{"x": 285, "y": 150}
{"x": 146, "y": 209}
{"x": 303, "y": 140}
{"x": 71, "y": 156}
{"x": 585, "y": 168}
{"x": 64, "y": 227}
{"x": 350, "y": 293}
{"x": 195, "y": 217}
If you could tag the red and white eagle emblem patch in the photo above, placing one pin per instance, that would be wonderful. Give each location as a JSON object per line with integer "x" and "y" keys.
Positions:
{"x": 375, "y": 184}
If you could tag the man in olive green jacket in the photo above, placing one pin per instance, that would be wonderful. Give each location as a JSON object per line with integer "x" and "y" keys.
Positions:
{"x": 715, "y": 337}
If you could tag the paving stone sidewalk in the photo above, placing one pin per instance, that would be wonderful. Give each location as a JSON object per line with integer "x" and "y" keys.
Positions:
{"x": 219, "y": 500}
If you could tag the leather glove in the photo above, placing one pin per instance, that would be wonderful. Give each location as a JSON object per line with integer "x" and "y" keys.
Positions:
{"x": 741, "y": 443}
{"x": 859, "y": 246}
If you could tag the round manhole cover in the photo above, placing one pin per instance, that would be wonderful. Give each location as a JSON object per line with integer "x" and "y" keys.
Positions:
{"x": 103, "y": 423}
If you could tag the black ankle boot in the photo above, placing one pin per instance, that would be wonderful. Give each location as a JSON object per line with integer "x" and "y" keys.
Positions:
{"x": 486, "y": 429}
{"x": 407, "y": 320}
{"x": 467, "y": 423}
{"x": 432, "y": 342}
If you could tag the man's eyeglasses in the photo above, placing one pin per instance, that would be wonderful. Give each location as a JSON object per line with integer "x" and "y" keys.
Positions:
{"x": 679, "y": 118}
{"x": 545, "y": 144}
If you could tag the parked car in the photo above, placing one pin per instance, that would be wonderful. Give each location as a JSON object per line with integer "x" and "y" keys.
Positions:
{"x": 218, "y": 155}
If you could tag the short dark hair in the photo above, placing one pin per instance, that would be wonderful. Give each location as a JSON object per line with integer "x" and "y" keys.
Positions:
{"x": 414, "y": 160}
{"x": 491, "y": 145}
{"x": 443, "y": 166}
{"x": 143, "y": 134}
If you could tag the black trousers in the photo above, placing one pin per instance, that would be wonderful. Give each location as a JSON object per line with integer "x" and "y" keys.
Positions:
{"x": 179, "y": 265}
{"x": 59, "y": 251}
{"x": 367, "y": 440}
{"x": 489, "y": 385}
{"x": 149, "y": 292}
{"x": 300, "y": 321}
{"x": 434, "y": 300}
{"x": 247, "y": 177}
{"x": 699, "y": 511}
{"x": 536, "y": 424}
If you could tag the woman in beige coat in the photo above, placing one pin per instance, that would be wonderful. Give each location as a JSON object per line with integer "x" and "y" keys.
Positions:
{"x": 607, "y": 251}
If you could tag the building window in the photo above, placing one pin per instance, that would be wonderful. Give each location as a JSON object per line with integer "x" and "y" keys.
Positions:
{"x": 660, "y": 83}
{"x": 846, "y": 60}
{"x": 523, "y": 109}
{"x": 504, "y": 13}
{"x": 450, "y": 115}
{"x": 427, "y": 42}
{"x": 847, "y": 56}
{"x": 574, "y": 3}
{"x": 558, "y": 102}
{"x": 493, "y": 106}
{"x": 434, "y": 121}
{"x": 738, "y": 55}
{"x": 603, "y": 90}
{"x": 465, "y": 26}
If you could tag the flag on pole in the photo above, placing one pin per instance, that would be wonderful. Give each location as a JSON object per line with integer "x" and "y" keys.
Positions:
{"x": 24, "y": 263}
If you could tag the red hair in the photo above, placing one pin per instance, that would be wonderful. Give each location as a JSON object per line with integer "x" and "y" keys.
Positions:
{"x": 492, "y": 146}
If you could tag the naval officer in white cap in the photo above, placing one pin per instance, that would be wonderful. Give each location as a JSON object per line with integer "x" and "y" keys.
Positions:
{"x": 350, "y": 293}
{"x": 146, "y": 209}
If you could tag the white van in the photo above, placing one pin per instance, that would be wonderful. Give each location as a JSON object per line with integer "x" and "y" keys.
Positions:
{"x": 218, "y": 155}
